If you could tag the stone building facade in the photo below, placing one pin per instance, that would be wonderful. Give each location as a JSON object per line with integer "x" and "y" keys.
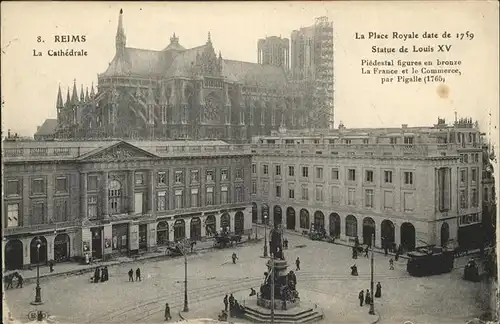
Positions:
{"x": 185, "y": 93}
{"x": 104, "y": 198}
{"x": 411, "y": 185}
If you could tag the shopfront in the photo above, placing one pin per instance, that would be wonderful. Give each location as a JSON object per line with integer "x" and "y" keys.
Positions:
{"x": 120, "y": 238}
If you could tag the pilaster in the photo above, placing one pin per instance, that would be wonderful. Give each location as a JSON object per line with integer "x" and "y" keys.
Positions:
{"x": 105, "y": 195}
{"x": 151, "y": 191}
{"x": 50, "y": 199}
{"x": 131, "y": 190}
{"x": 83, "y": 195}
{"x": 26, "y": 202}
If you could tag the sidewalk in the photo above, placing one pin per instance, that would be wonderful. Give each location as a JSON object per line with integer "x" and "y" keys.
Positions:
{"x": 73, "y": 268}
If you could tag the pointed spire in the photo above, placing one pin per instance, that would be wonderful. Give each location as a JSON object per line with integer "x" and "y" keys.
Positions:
{"x": 74, "y": 95}
{"x": 82, "y": 95}
{"x": 59, "y": 103}
{"x": 92, "y": 93}
{"x": 87, "y": 94}
{"x": 121, "y": 39}
{"x": 68, "y": 99}
{"x": 209, "y": 38}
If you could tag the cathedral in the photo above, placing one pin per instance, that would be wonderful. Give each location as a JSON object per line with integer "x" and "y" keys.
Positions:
{"x": 179, "y": 93}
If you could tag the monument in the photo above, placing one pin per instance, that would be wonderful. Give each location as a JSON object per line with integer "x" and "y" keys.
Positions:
{"x": 278, "y": 298}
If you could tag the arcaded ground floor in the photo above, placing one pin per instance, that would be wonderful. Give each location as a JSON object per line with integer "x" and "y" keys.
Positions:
{"x": 324, "y": 279}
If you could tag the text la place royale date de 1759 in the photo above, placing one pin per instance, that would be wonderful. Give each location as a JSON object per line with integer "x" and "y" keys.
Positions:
{"x": 63, "y": 52}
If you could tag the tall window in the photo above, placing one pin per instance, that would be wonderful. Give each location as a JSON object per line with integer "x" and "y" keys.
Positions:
{"x": 139, "y": 178}
{"x": 335, "y": 174}
{"x": 291, "y": 193}
{"x": 254, "y": 168}
{"x": 278, "y": 170}
{"x": 224, "y": 195}
{"x": 408, "y": 178}
{"x": 12, "y": 215}
{"x": 93, "y": 182}
{"x": 369, "y": 176}
{"x": 351, "y": 196}
{"x": 319, "y": 173}
{"x": 179, "y": 199}
{"x": 463, "y": 176}
{"x": 474, "y": 199}
{"x": 291, "y": 171}
{"x": 239, "y": 173}
{"x": 463, "y": 198}
{"x": 210, "y": 175}
{"x": 408, "y": 140}
{"x": 388, "y": 176}
{"x": 194, "y": 197}
{"x": 351, "y": 175}
{"x": 210, "y": 196}
{"x": 114, "y": 196}
{"x": 304, "y": 193}
{"x": 278, "y": 191}
{"x": 61, "y": 210}
{"x": 92, "y": 207}
{"x": 161, "y": 201}
{"x": 179, "y": 177}
{"x": 239, "y": 194}
{"x": 369, "y": 198}
{"x": 224, "y": 175}
{"x": 474, "y": 175}
{"x": 319, "y": 193}
{"x": 265, "y": 169}
{"x": 305, "y": 172}
{"x": 38, "y": 213}
{"x": 254, "y": 187}
{"x": 162, "y": 178}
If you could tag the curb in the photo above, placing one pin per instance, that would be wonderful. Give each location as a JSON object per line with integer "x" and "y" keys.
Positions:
{"x": 91, "y": 268}
{"x": 378, "y": 318}
{"x": 182, "y": 317}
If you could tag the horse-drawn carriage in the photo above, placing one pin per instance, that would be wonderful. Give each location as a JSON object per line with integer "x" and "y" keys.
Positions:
{"x": 226, "y": 240}
{"x": 471, "y": 272}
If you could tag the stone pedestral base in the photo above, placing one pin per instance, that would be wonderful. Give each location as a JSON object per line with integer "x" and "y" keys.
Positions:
{"x": 278, "y": 304}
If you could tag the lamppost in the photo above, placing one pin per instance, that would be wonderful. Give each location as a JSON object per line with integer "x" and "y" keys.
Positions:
{"x": 372, "y": 306}
{"x": 182, "y": 248}
{"x": 265, "y": 234}
{"x": 38, "y": 290}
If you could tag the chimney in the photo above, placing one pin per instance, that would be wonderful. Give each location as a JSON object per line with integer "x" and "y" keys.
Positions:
{"x": 404, "y": 126}
{"x": 8, "y": 133}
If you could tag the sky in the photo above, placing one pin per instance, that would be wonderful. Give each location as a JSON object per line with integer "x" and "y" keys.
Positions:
{"x": 29, "y": 84}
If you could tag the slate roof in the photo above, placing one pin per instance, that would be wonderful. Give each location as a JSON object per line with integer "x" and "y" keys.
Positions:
{"x": 48, "y": 128}
{"x": 175, "y": 61}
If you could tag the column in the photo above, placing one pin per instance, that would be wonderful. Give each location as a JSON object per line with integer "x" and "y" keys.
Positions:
{"x": 131, "y": 190}
{"x": 83, "y": 195}
{"x": 203, "y": 226}
{"x": 187, "y": 224}
{"x": 105, "y": 195}
{"x": 397, "y": 233}
{"x": 378, "y": 232}
{"x": 171, "y": 231}
{"x": 151, "y": 192}
{"x": 232, "y": 218}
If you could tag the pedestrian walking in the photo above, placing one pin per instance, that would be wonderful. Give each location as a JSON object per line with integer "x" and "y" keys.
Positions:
{"x": 354, "y": 270}
{"x": 366, "y": 251}
{"x": 225, "y": 303}
{"x": 131, "y": 276}
{"x": 354, "y": 252}
{"x": 138, "y": 274}
{"x": 9, "y": 279}
{"x": 367, "y": 297}
{"x": 361, "y": 297}
{"x": 19, "y": 280}
{"x": 391, "y": 264}
{"x": 234, "y": 257}
{"x": 378, "y": 291}
{"x": 297, "y": 264}
{"x": 51, "y": 266}
{"x": 167, "y": 312}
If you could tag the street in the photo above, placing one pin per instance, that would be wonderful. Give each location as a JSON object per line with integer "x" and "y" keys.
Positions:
{"x": 324, "y": 279}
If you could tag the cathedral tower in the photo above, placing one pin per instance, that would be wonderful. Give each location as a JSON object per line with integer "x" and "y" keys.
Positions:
{"x": 274, "y": 51}
{"x": 121, "y": 39}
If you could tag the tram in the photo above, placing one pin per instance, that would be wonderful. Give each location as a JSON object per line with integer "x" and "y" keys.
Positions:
{"x": 430, "y": 260}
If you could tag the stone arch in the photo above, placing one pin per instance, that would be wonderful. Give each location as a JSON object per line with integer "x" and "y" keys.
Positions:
{"x": 387, "y": 233}
{"x": 445, "y": 234}
{"x": 179, "y": 230}
{"x": 368, "y": 230}
{"x": 225, "y": 222}
{"x": 265, "y": 213}
{"x": 162, "y": 233}
{"x": 408, "y": 240}
{"x": 61, "y": 247}
{"x": 290, "y": 218}
{"x": 351, "y": 226}
{"x": 210, "y": 225}
{"x": 334, "y": 225}
{"x": 14, "y": 255}
{"x": 239, "y": 223}
{"x": 304, "y": 219}
{"x": 42, "y": 251}
{"x": 254, "y": 213}
{"x": 195, "y": 229}
{"x": 319, "y": 220}
{"x": 277, "y": 215}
